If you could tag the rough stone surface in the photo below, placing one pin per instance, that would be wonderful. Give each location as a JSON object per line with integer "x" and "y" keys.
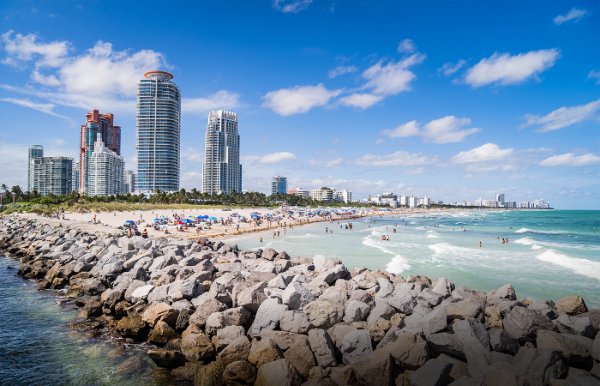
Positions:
{"x": 356, "y": 345}
{"x": 278, "y": 373}
{"x": 322, "y": 347}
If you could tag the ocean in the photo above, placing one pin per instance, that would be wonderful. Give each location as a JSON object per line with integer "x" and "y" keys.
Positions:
{"x": 550, "y": 253}
{"x": 39, "y": 346}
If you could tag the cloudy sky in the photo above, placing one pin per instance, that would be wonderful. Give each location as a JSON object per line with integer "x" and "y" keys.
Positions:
{"x": 453, "y": 99}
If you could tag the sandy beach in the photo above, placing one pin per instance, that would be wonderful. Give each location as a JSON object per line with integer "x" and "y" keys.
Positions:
{"x": 228, "y": 223}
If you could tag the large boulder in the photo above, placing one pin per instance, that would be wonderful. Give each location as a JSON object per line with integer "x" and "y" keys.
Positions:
{"x": 571, "y": 305}
{"x": 160, "y": 311}
{"x": 252, "y": 297}
{"x": 133, "y": 327}
{"x": 297, "y": 295}
{"x": 196, "y": 346}
{"x": 323, "y": 314}
{"x": 263, "y": 351}
{"x": 434, "y": 372}
{"x": 239, "y": 373}
{"x": 376, "y": 369}
{"x": 267, "y": 317}
{"x": 300, "y": 356}
{"x": 576, "y": 350}
{"x": 356, "y": 345}
{"x": 237, "y": 350}
{"x": 161, "y": 333}
{"x": 278, "y": 373}
{"x": 408, "y": 349}
{"x": 322, "y": 347}
{"x": 356, "y": 311}
{"x": 295, "y": 321}
{"x": 238, "y": 316}
{"x": 169, "y": 359}
{"x": 204, "y": 309}
{"x": 522, "y": 323}
{"x": 505, "y": 292}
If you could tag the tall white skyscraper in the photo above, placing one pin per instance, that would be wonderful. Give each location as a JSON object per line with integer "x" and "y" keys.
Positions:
{"x": 105, "y": 171}
{"x": 222, "y": 172}
{"x": 158, "y": 133}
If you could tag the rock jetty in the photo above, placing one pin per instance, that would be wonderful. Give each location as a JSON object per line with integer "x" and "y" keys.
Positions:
{"x": 216, "y": 315}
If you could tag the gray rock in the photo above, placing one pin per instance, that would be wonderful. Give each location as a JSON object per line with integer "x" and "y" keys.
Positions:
{"x": 295, "y": 321}
{"x": 435, "y": 321}
{"x": 356, "y": 345}
{"x": 442, "y": 286}
{"x": 231, "y": 317}
{"x": 227, "y": 335}
{"x": 403, "y": 302}
{"x": 301, "y": 357}
{"x": 377, "y": 369}
{"x": 409, "y": 350}
{"x": 434, "y": 372}
{"x": 239, "y": 373}
{"x": 522, "y": 323}
{"x": 382, "y": 310}
{"x": 501, "y": 341}
{"x": 297, "y": 295}
{"x": 204, "y": 309}
{"x": 596, "y": 348}
{"x": 576, "y": 350}
{"x": 356, "y": 311}
{"x": 466, "y": 329}
{"x": 263, "y": 351}
{"x": 505, "y": 292}
{"x": 322, "y": 347}
{"x": 465, "y": 309}
{"x": 252, "y": 297}
{"x": 430, "y": 298}
{"x": 278, "y": 373}
{"x": 237, "y": 350}
{"x": 195, "y": 345}
{"x": 267, "y": 317}
{"x": 323, "y": 314}
{"x": 501, "y": 374}
{"x": 445, "y": 343}
{"x": 579, "y": 325}
{"x": 329, "y": 276}
{"x": 141, "y": 293}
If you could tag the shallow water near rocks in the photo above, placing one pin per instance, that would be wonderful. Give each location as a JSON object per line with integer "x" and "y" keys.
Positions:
{"x": 550, "y": 254}
{"x": 39, "y": 346}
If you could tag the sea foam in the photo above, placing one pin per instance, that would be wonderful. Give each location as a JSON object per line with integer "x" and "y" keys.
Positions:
{"x": 579, "y": 266}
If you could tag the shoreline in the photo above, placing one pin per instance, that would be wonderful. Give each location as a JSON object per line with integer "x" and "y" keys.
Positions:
{"x": 211, "y": 312}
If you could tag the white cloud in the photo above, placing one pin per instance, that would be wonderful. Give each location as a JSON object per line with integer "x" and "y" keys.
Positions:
{"x": 449, "y": 69}
{"x": 407, "y": 129}
{"x": 271, "y": 158}
{"x": 484, "y": 153}
{"x": 399, "y": 158}
{"x": 47, "y": 108}
{"x": 341, "y": 70}
{"x": 221, "y": 100}
{"x": 361, "y": 101}
{"x": 406, "y": 46}
{"x": 291, "y": 6}
{"x": 442, "y": 130}
{"x": 570, "y": 159}
{"x": 506, "y": 69}
{"x": 298, "y": 99}
{"x": 573, "y": 15}
{"x": 101, "y": 76}
{"x": 22, "y": 48}
{"x": 448, "y": 129}
{"x": 392, "y": 78}
{"x": 564, "y": 116}
{"x": 595, "y": 75}
{"x": 325, "y": 164}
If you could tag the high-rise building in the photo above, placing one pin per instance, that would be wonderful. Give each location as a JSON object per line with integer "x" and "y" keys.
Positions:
{"x": 51, "y": 175}
{"x": 96, "y": 124}
{"x": 75, "y": 177}
{"x": 500, "y": 199}
{"x": 322, "y": 194}
{"x": 158, "y": 118}
{"x": 129, "y": 182}
{"x": 105, "y": 171}
{"x": 344, "y": 196}
{"x": 36, "y": 153}
{"x": 279, "y": 185}
{"x": 222, "y": 172}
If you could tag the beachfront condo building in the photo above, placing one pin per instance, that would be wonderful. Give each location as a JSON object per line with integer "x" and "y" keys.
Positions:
{"x": 323, "y": 194}
{"x": 344, "y": 196}
{"x": 105, "y": 171}
{"x": 222, "y": 172}
{"x": 75, "y": 177}
{"x": 49, "y": 175}
{"x": 299, "y": 192}
{"x": 129, "y": 182}
{"x": 35, "y": 152}
{"x": 158, "y": 127}
{"x": 96, "y": 124}
{"x": 279, "y": 185}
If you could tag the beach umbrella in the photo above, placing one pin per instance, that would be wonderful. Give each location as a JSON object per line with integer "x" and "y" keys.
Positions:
{"x": 177, "y": 222}
{"x": 204, "y": 217}
{"x": 186, "y": 220}
{"x": 130, "y": 222}
{"x": 213, "y": 218}
{"x": 156, "y": 220}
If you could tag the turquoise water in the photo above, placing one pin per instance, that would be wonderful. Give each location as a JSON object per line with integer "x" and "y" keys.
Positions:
{"x": 37, "y": 346}
{"x": 550, "y": 254}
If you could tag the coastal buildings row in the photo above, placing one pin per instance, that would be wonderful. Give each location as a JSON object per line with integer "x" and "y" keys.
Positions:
{"x": 394, "y": 201}
{"x": 323, "y": 194}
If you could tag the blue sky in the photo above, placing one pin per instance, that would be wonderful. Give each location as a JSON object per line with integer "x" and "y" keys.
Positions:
{"x": 453, "y": 99}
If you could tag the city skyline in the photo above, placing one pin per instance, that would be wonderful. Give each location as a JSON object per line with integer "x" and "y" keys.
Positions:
{"x": 376, "y": 109}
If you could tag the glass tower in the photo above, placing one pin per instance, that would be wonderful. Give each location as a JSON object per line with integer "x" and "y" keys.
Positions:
{"x": 222, "y": 172}
{"x": 36, "y": 153}
{"x": 158, "y": 133}
{"x": 279, "y": 185}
